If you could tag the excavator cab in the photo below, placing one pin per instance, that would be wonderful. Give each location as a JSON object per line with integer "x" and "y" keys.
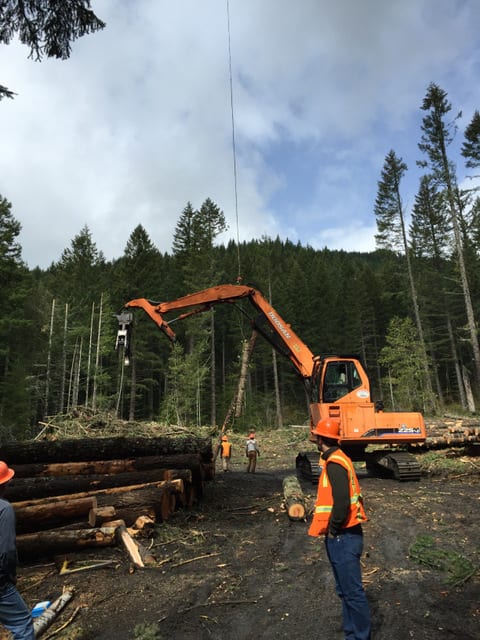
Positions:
{"x": 341, "y": 377}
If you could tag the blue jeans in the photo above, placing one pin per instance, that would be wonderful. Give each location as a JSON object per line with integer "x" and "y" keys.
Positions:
{"x": 14, "y": 613}
{"x": 344, "y": 553}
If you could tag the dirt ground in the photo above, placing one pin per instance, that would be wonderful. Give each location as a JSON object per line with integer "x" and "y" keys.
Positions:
{"x": 235, "y": 567}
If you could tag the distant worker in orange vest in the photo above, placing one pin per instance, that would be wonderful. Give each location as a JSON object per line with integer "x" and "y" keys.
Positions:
{"x": 252, "y": 452}
{"x": 225, "y": 452}
{"x": 338, "y": 516}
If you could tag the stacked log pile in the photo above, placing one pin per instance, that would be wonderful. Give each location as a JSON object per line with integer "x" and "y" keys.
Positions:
{"x": 71, "y": 494}
{"x": 451, "y": 432}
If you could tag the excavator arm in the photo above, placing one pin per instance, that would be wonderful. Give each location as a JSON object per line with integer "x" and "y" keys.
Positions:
{"x": 267, "y": 321}
{"x": 338, "y": 386}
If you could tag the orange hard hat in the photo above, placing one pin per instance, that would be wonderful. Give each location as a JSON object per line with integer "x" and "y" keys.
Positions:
{"x": 328, "y": 428}
{"x": 224, "y": 438}
{"x": 6, "y": 473}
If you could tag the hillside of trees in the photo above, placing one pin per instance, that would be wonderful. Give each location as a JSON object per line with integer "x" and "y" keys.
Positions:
{"x": 409, "y": 310}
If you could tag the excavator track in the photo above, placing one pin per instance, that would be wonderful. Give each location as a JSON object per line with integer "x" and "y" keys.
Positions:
{"x": 401, "y": 464}
{"x": 307, "y": 465}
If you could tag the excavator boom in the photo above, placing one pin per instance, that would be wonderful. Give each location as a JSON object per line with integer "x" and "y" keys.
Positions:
{"x": 268, "y": 322}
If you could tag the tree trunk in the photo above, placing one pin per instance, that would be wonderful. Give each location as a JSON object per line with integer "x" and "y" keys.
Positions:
{"x": 54, "y": 541}
{"x": 49, "y": 361}
{"x": 32, "y": 488}
{"x": 40, "y": 470}
{"x": 81, "y": 449}
{"x": 96, "y": 372}
{"x": 294, "y": 498}
{"x": 49, "y": 515}
{"x": 213, "y": 375}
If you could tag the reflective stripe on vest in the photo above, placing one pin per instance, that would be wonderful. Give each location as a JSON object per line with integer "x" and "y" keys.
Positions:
{"x": 324, "y": 504}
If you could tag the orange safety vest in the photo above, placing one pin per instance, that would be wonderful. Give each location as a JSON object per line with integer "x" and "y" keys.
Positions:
{"x": 324, "y": 504}
{"x": 226, "y": 449}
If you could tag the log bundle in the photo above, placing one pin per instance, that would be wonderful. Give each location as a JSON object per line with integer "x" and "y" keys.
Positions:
{"x": 451, "y": 432}
{"x": 72, "y": 494}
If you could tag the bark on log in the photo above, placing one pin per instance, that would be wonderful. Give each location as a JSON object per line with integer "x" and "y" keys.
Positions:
{"x": 159, "y": 501}
{"x": 49, "y": 515}
{"x": 88, "y": 468}
{"x": 81, "y": 449}
{"x": 33, "y": 488}
{"x": 51, "y": 542}
{"x": 155, "y": 498}
{"x": 104, "y": 496}
{"x": 294, "y": 498}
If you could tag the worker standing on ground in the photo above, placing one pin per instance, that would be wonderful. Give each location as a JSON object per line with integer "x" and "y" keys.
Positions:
{"x": 338, "y": 516}
{"x": 252, "y": 452}
{"x": 14, "y": 614}
{"x": 225, "y": 452}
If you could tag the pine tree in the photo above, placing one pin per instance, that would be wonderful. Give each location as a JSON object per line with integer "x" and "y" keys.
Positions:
{"x": 193, "y": 246}
{"x": 17, "y": 340}
{"x": 431, "y": 235}
{"x": 392, "y": 234}
{"x": 46, "y": 27}
{"x": 471, "y": 145}
{"x": 138, "y": 274}
{"x": 438, "y": 134}
{"x": 403, "y": 357}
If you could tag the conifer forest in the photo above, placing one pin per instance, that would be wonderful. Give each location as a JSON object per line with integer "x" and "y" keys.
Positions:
{"x": 409, "y": 310}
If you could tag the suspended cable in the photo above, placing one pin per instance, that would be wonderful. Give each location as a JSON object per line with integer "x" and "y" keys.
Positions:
{"x": 234, "y": 149}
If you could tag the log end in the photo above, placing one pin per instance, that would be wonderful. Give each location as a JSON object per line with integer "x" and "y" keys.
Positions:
{"x": 296, "y": 512}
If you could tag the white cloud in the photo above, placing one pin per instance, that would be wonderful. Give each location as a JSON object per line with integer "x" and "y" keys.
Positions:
{"x": 137, "y": 122}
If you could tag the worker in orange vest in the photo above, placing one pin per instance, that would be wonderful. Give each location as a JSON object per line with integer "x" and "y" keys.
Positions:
{"x": 225, "y": 452}
{"x": 338, "y": 516}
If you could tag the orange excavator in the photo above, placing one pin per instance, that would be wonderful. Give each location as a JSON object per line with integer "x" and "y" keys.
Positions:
{"x": 338, "y": 386}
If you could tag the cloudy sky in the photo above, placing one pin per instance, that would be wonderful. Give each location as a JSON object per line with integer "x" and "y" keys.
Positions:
{"x": 138, "y": 121}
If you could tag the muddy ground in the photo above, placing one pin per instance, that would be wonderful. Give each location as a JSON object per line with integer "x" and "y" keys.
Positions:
{"x": 235, "y": 567}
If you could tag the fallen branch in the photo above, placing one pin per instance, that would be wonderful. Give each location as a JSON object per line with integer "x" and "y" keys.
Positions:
{"x": 217, "y": 602}
{"x": 207, "y": 555}
{"x": 42, "y": 623}
{"x": 65, "y": 624}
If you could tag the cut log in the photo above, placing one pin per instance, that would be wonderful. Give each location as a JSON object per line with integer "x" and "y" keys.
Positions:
{"x": 52, "y": 542}
{"x": 88, "y": 468}
{"x": 42, "y": 487}
{"x": 294, "y": 498}
{"x": 80, "y": 449}
{"x": 99, "y": 515}
{"x": 155, "y": 498}
{"x": 130, "y": 546}
{"x": 158, "y": 502}
{"x": 101, "y": 494}
{"x": 52, "y": 514}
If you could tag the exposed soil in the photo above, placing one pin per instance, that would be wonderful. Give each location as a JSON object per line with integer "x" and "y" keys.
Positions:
{"x": 235, "y": 567}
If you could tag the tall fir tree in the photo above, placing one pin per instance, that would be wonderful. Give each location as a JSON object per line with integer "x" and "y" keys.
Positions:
{"x": 392, "y": 234}
{"x": 18, "y": 337}
{"x": 437, "y": 134}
